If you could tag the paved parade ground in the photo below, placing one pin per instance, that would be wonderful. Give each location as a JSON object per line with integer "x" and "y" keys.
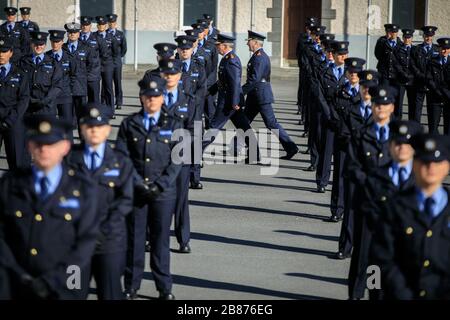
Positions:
{"x": 255, "y": 236}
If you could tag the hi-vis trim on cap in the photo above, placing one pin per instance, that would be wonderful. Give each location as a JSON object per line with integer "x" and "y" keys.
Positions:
{"x": 153, "y": 85}
{"x": 382, "y": 93}
{"x": 94, "y": 113}
{"x": 45, "y": 127}
{"x": 403, "y": 130}
{"x": 430, "y": 145}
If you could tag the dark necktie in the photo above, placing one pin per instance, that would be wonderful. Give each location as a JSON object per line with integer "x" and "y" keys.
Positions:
{"x": 56, "y": 56}
{"x": 10, "y": 27}
{"x": 429, "y": 204}
{"x": 170, "y": 96}
{"x": 44, "y": 182}
{"x": 366, "y": 112}
{"x": 2, "y": 73}
{"x": 84, "y": 37}
{"x": 72, "y": 48}
{"x": 354, "y": 92}
{"x": 382, "y": 132}
{"x": 392, "y": 43}
{"x": 152, "y": 123}
{"x": 38, "y": 60}
{"x": 428, "y": 48}
{"x": 185, "y": 69}
{"x": 401, "y": 176}
{"x": 93, "y": 164}
{"x": 444, "y": 60}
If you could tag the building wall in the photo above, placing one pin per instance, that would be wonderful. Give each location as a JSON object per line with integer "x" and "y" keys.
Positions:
{"x": 438, "y": 15}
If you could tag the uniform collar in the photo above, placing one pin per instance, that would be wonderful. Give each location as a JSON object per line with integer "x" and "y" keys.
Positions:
{"x": 53, "y": 176}
{"x": 440, "y": 198}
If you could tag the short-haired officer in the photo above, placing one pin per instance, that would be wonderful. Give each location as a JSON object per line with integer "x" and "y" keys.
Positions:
{"x": 26, "y": 23}
{"x": 19, "y": 37}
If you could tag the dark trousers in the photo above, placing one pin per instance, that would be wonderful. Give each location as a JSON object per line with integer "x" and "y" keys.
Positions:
{"x": 107, "y": 96}
{"x": 315, "y": 136}
{"x": 338, "y": 191}
{"x": 118, "y": 92}
{"x": 65, "y": 111}
{"x": 195, "y": 173}
{"x": 398, "y": 110}
{"x": 107, "y": 269}
{"x": 323, "y": 172}
{"x": 435, "y": 109}
{"x": 413, "y": 114}
{"x": 419, "y": 98}
{"x": 346, "y": 234}
{"x": 251, "y": 111}
{"x": 157, "y": 215}
{"x": 77, "y": 105}
{"x": 93, "y": 91}
{"x": 15, "y": 148}
{"x": 182, "y": 219}
{"x": 209, "y": 109}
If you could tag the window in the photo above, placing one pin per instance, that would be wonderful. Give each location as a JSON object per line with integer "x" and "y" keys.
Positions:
{"x": 95, "y": 8}
{"x": 3, "y": 4}
{"x": 194, "y": 9}
{"x": 409, "y": 13}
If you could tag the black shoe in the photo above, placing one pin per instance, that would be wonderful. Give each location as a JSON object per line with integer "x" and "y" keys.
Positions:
{"x": 334, "y": 218}
{"x": 306, "y": 151}
{"x": 341, "y": 256}
{"x": 196, "y": 186}
{"x": 305, "y": 134}
{"x": 311, "y": 168}
{"x": 166, "y": 296}
{"x": 184, "y": 249}
{"x": 147, "y": 247}
{"x": 321, "y": 189}
{"x": 118, "y": 107}
{"x": 290, "y": 154}
{"x": 131, "y": 294}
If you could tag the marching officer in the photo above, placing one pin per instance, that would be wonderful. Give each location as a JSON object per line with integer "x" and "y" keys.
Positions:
{"x": 111, "y": 47}
{"x": 113, "y": 173}
{"x": 420, "y": 58}
{"x": 164, "y": 51}
{"x": 84, "y": 62}
{"x": 64, "y": 100}
{"x": 412, "y": 242}
{"x": 26, "y": 23}
{"x": 18, "y": 36}
{"x": 194, "y": 82}
{"x": 212, "y": 31}
{"x": 59, "y": 206}
{"x": 146, "y": 138}
{"x": 259, "y": 94}
{"x": 90, "y": 39}
{"x": 405, "y": 76}
{"x": 14, "y": 100}
{"x": 44, "y": 76}
{"x": 384, "y": 52}
{"x": 119, "y": 54}
{"x": 381, "y": 184}
{"x": 438, "y": 75}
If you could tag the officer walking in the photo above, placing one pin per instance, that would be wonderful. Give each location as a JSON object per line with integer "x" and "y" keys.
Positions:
{"x": 412, "y": 242}
{"x": 18, "y": 36}
{"x": 113, "y": 173}
{"x": 14, "y": 100}
{"x": 259, "y": 94}
{"x": 405, "y": 76}
{"x": 26, "y": 23}
{"x": 118, "y": 55}
{"x": 59, "y": 206}
{"x": 146, "y": 137}
{"x": 89, "y": 38}
{"x": 438, "y": 75}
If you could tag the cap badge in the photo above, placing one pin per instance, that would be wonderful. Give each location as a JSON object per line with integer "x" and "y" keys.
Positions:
{"x": 343, "y": 46}
{"x": 437, "y": 154}
{"x": 45, "y": 127}
{"x": 184, "y": 41}
{"x": 153, "y": 85}
{"x": 2, "y": 42}
{"x": 382, "y": 93}
{"x": 166, "y": 48}
{"x": 369, "y": 76}
{"x": 403, "y": 130}
{"x": 94, "y": 113}
{"x": 354, "y": 63}
{"x": 170, "y": 64}
{"x": 430, "y": 145}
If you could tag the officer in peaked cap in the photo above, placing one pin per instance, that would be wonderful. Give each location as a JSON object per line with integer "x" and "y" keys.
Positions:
{"x": 146, "y": 137}
{"x": 26, "y": 23}
{"x": 118, "y": 55}
{"x": 212, "y": 30}
{"x": 165, "y": 50}
{"x": 18, "y": 35}
{"x": 414, "y": 234}
{"x": 60, "y": 210}
{"x": 113, "y": 173}
{"x": 438, "y": 73}
{"x": 405, "y": 76}
{"x": 421, "y": 55}
{"x": 14, "y": 99}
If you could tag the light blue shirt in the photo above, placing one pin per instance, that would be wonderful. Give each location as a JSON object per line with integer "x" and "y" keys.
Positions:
{"x": 13, "y": 24}
{"x": 59, "y": 53}
{"x": 201, "y": 43}
{"x": 103, "y": 34}
{"x": 349, "y": 88}
{"x": 53, "y": 176}
{"x": 112, "y": 31}
{"x": 440, "y": 198}
{"x": 87, "y": 34}
{"x": 147, "y": 119}
{"x": 174, "y": 99}
{"x": 70, "y": 44}
{"x": 41, "y": 56}
{"x": 88, "y": 151}
{"x": 362, "y": 108}
{"x": 337, "y": 69}
{"x": 394, "y": 172}
{"x": 7, "y": 68}
{"x": 377, "y": 129}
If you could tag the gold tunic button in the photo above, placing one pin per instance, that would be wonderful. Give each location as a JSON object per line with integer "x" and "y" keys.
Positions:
{"x": 149, "y": 140}
{"x": 166, "y": 141}
{"x": 383, "y": 198}
{"x": 429, "y": 234}
{"x": 380, "y": 155}
{"x": 19, "y": 214}
{"x": 423, "y": 293}
{"x": 33, "y": 252}
{"x": 76, "y": 193}
{"x": 147, "y": 160}
{"x": 409, "y": 230}
{"x": 68, "y": 217}
{"x": 38, "y": 218}
{"x": 111, "y": 184}
{"x": 368, "y": 154}
{"x": 135, "y": 139}
{"x": 71, "y": 172}
{"x": 147, "y": 179}
{"x": 426, "y": 263}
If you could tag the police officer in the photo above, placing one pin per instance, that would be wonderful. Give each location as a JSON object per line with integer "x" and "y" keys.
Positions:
{"x": 84, "y": 62}
{"x": 44, "y": 76}
{"x": 146, "y": 137}
{"x": 18, "y": 36}
{"x": 259, "y": 94}
{"x": 194, "y": 82}
{"x": 405, "y": 76}
{"x": 64, "y": 100}
{"x": 26, "y": 23}
{"x": 113, "y": 173}
{"x": 230, "y": 96}
{"x": 412, "y": 242}
{"x": 14, "y": 100}
{"x": 381, "y": 184}
{"x": 107, "y": 61}
{"x": 212, "y": 31}
{"x": 89, "y": 38}
{"x": 386, "y": 66}
{"x": 438, "y": 75}
{"x": 164, "y": 51}
{"x": 420, "y": 57}
{"x": 59, "y": 206}
{"x": 119, "y": 54}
